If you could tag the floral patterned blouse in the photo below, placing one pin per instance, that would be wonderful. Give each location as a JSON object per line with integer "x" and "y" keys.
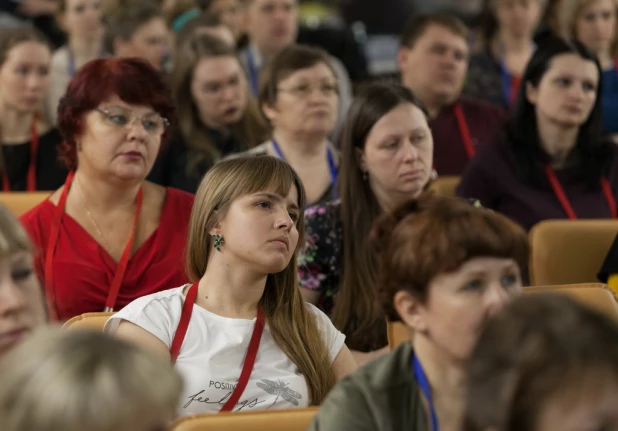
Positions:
{"x": 320, "y": 264}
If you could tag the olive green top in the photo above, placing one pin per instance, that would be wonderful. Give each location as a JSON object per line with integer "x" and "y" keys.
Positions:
{"x": 381, "y": 396}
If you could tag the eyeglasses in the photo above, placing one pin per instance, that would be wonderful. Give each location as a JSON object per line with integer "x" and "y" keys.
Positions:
{"x": 153, "y": 123}
{"x": 305, "y": 90}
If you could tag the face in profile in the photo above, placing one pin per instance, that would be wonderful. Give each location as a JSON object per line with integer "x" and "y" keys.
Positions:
{"x": 260, "y": 230}
{"x": 398, "y": 154}
{"x": 458, "y": 303}
{"x": 306, "y": 102}
{"x": 219, "y": 90}
{"x": 24, "y": 76}
{"x": 120, "y": 140}
{"x": 436, "y": 65}
{"x": 595, "y": 25}
{"x": 567, "y": 91}
{"x": 22, "y": 307}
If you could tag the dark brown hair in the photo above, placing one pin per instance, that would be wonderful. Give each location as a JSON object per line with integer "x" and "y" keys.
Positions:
{"x": 434, "y": 235}
{"x": 208, "y": 20}
{"x": 357, "y": 312}
{"x": 10, "y": 37}
{"x": 540, "y": 347}
{"x": 418, "y": 24}
{"x": 127, "y": 19}
{"x": 287, "y": 61}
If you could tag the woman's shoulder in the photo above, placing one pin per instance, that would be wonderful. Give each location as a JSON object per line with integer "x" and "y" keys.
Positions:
{"x": 60, "y": 59}
{"x": 166, "y": 304}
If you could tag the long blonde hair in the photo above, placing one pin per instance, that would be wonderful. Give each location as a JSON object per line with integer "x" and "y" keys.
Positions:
{"x": 250, "y": 131}
{"x": 73, "y": 380}
{"x": 13, "y": 237}
{"x": 567, "y": 14}
{"x": 293, "y": 327}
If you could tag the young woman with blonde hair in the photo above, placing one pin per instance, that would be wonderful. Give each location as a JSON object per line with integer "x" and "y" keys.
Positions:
{"x": 89, "y": 381}
{"x": 246, "y": 228}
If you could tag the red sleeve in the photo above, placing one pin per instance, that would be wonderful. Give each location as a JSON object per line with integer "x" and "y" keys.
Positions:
{"x": 37, "y": 222}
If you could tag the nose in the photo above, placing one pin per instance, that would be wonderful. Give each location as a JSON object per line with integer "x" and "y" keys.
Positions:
{"x": 137, "y": 129}
{"x": 12, "y": 299}
{"x": 411, "y": 152}
{"x": 229, "y": 92}
{"x": 34, "y": 81}
{"x": 576, "y": 91}
{"x": 498, "y": 296}
{"x": 284, "y": 220}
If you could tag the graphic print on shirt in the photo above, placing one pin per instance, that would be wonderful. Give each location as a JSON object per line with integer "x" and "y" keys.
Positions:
{"x": 279, "y": 389}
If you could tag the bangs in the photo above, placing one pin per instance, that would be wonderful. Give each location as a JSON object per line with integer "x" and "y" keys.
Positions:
{"x": 13, "y": 237}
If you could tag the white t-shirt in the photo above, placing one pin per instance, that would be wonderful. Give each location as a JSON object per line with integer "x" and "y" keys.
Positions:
{"x": 213, "y": 351}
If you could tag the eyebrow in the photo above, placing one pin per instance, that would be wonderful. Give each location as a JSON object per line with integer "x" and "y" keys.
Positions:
{"x": 276, "y": 198}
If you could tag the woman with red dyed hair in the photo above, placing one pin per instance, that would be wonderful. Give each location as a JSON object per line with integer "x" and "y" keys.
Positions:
{"x": 108, "y": 236}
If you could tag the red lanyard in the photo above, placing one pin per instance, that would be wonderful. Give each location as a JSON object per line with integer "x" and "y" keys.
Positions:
{"x": 464, "y": 131}
{"x": 254, "y": 344}
{"x": 53, "y": 240}
{"x": 564, "y": 201}
{"x": 34, "y": 148}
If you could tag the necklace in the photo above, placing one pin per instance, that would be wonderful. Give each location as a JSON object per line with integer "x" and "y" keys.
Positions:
{"x": 93, "y": 221}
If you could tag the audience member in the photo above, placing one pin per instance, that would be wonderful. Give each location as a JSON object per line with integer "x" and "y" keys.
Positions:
{"x": 217, "y": 113}
{"x": 229, "y": 11}
{"x": 22, "y": 307}
{"x": 593, "y": 23}
{"x": 271, "y": 26}
{"x": 507, "y": 44}
{"x": 246, "y": 228}
{"x": 386, "y": 159}
{"x": 107, "y": 236}
{"x": 433, "y": 59}
{"x": 446, "y": 267}
{"x": 544, "y": 363}
{"x": 138, "y": 29}
{"x": 81, "y": 20}
{"x": 62, "y": 380}
{"x": 29, "y": 143}
{"x": 298, "y": 96}
{"x": 553, "y": 162}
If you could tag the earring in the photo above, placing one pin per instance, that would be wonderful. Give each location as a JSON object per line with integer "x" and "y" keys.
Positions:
{"x": 365, "y": 175}
{"x": 218, "y": 241}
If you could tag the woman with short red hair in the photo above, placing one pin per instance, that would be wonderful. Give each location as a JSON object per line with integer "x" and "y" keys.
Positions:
{"x": 108, "y": 236}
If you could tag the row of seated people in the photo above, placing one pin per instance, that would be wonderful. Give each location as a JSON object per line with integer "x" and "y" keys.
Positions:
{"x": 449, "y": 269}
{"x": 105, "y": 251}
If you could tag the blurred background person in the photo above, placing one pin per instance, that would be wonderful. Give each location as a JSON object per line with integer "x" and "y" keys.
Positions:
{"x": 554, "y": 161}
{"x": 29, "y": 142}
{"x": 217, "y": 114}
{"x": 98, "y": 383}
{"x": 82, "y": 22}
{"x": 544, "y": 363}
{"x": 22, "y": 305}
{"x": 138, "y": 29}
{"x": 433, "y": 59}
{"x": 273, "y": 25}
{"x": 299, "y": 97}
{"x": 506, "y": 45}
{"x": 593, "y": 23}
{"x": 386, "y": 159}
{"x": 204, "y": 23}
{"x": 108, "y": 236}
{"x": 445, "y": 267}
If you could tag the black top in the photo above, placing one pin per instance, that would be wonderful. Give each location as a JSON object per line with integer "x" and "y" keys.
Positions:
{"x": 50, "y": 172}
{"x": 170, "y": 168}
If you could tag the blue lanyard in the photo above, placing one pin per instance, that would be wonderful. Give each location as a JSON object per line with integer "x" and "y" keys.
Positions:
{"x": 422, "y": 381}
{"x": 329, "y": 156}
{"x": 253, "y": 73}
{"x": 506, "y": 80}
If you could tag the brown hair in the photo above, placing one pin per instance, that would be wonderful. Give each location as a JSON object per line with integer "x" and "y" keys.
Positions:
{"x": 99, "y": 383}
{"x": 540, "y": 347}
{"x": 357, "y": 312}
{"x": 434, "y": 235}
{"x": 127, "y": 19}
{"x": 13, "y": 237}
{"x": 416, "y": 26}
{"x": 287, "y": 61}
{"x": 293, "y": 326}
{"x": 208, "y": 20}
{"x": 250, "y": 130}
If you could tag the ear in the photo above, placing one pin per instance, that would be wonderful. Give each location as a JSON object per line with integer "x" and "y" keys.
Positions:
{"x": 402, "y": 57}
{"x": 217, "y": 228}
{"x": 410, "y": 310}
{"x": 532, "y": 93}
{"x": 269, "y": 112}
{"x": 119, "y": 45}
{"x": 61, "y": 21}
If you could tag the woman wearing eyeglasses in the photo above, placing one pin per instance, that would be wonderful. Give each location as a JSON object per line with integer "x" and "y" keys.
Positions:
{"x": 108, "y": 236}
{"x": 299, "y": 97}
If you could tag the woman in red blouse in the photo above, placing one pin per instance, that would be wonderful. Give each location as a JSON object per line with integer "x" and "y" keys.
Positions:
{"x": 108, "y": 236}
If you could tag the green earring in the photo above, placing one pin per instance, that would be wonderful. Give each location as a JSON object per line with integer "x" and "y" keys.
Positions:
{"x": 218, "y": 241}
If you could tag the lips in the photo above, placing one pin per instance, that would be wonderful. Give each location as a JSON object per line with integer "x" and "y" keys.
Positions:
{"x": 13, "y": 336}
{"x": 133, "y": 154}
{"x": 282, "y": 239}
